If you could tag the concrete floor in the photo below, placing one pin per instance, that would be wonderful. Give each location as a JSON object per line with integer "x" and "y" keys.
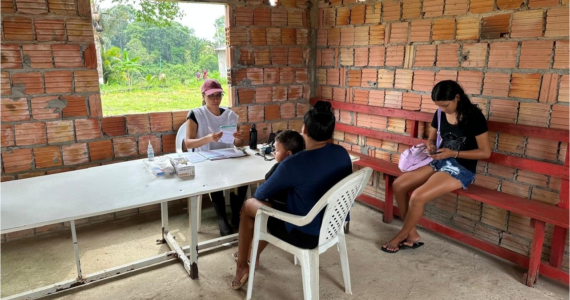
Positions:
{"x": 442, "y": 269}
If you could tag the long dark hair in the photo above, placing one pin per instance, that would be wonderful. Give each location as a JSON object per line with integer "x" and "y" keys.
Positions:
{"x": 447, "y": 90}
{"x": 319, "y": 121}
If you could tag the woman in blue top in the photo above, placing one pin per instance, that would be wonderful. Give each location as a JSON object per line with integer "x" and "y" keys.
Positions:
{"x": 307, "y": 176}
{"x": 463, "y": 131}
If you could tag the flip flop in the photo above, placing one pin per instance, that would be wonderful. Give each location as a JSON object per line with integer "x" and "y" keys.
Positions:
{"x": 414, "y": 245}
{"x": 236, "y": 285}
{"x": 385, "y": 249}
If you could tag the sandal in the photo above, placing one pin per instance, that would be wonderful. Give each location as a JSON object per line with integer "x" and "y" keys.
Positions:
{"x": 385, "y": 249}
{"x": 414, "y": 245}
{"x": 236, "y": 285}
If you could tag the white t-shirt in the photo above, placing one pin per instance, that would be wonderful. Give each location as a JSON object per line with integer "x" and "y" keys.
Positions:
{"x": 208, "y": 121}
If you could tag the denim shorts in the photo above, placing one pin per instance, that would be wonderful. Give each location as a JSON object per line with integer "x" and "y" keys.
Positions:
{"x": 453, "y": 168}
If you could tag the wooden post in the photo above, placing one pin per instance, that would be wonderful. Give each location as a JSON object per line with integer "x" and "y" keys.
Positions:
{"x": 535, "y": 253}
{"x": 560, "y": 233}
{"x": 388, "y": 199}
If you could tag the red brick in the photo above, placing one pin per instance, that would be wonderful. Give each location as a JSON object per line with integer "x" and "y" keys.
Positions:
{"x": 279, "y": 93}
{"x": 556, "y": 22}
{"x": 561, "y": 54}
{"x": 168, "y": 143}
{"x": 421, "y": 29}
{"x": 18, "y": 29}
{"x": 347, "y": 57}
{"x": 86, "y": 81}
{"x": 301, "y": 76}
{"x": 501, "y": 171}
{"x": 143, "y": 144}
{"x": 11, "y": 57}
{"x": 373, "y": 13}
{"x": 377, "y": 56}
{"x": 559, "y": 118}
{"x": 262, "y": 16}
{"x": 495, "y": 27}
{"x": 241, "y": 111}
{"x": 30, "y": 133}
{"x": 17, "y": 160}
{"x": 549, "y": 89}
{"x": 62, "y": 7}
{"x": 255, "y": 113}
{"x": 411, "y": 9}
{"x": 393, "y": 99}
{"x": 83, "y": 7}
{"x": 288, "y": 111}
{"x": 386, "y": 78}
{"x": 362, "y": 36}
{"x": 279, "y": 17}
{"x": 286, "y": 75}
{"x": 333, "y": 36}
{"x": 138, "y": 123}
{"x": 75, "y": 154}
{"x": 95, "y": 108}
{"x": 7, "y": 7}
{"x": 329, "y": 16}
{"x": 423, "y": 80}
{"x": 339, "y": 94}
{"x": 509, "y": 4}
{"x": 237, "y": 36}
{"x": 87, "y": 129}
{"x": 541, "y": 149}
{"x": 544, "y": 196}
{"x": 456, "y": 7}
{"x": 534, "y": 114}
{"x": 272, "y": 112}
{"x": 425, "y": 56}
{"x": 399, "y": 33}
{"x": 535, "y": 55}
{"x": 31, "y": 82}
{"x": 448, "y": 55}
{"x": 496, "y": 84}
{"x": 123, "y": 147}
{"x": 403, "y": 79}
{"x": 342, "y": 16}
{"x": 14, "y": 110}
{"x": 433, "y": 8}
{"x": 532, "y": 178}
{"x": 525, "y": 86}
{"x": 58, "y": 82}
{"x": 503, "y": 111}
{"x": 255, "y": 75}
{"x": 47, "y": 157}
{"x": 67, "y": 56}
{"x": 361, "y": 97}
{"x": 46, "y": 107}
{"x": 245, "y": 96}
{"x": 50, "y": 30}
{"x": 273, "y": 36}
{"x": 360, "y": 57}
{"x": 60, "y": 131}
{"x": 481, "y": 6}
{"x": 288, "y": 36}
{"x": 160, "y": 122}
{"x": 369, "y": 78}
{"x": 271, "y": 75}
{"x": 377, "y": 33}
{"x": 295, "y": 18}
{"x": 114, "y": 126}
{"x": 357, "y": 15}
{"x": 470, "y": 81}
{"x": 179, "y": 118}
{"x": 395, "y": 56}
{"x": 6, "y": 89}
{"x": 257, "y": 37}
{"x": 7, "y": 135}
{"x": 302, "y": 109}
{"x": 391, "y": 11}
{"x": 411, "y": 101}
{"x": 445, "y": 75}
{"x": 354, "y": 77}
{"x": 542, "y": 3}
{"x": 296, "y": 56}
{"x": 443, "y": 29}
{"x": 243, "y": 16}
{"x": 503, "y": 55}
{"x": 324, "y": 92}
{"x": 38, "y": 56}
{"x": 347, "y": 35}
{"x": 527, "y": 24}
{"x": 333, "y": 77}
{"x": 79, "y": 29}
{"x": 474, "y": 55}
{"x": 76, "y": 106}
{"x": 262, "y": 57}
{"x": 295, "y": 92}
{"x": 246, "y": 56}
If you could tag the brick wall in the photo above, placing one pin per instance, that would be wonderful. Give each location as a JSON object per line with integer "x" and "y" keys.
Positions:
{"x": 510, "y": 57}
{"x": 51, "y": 106}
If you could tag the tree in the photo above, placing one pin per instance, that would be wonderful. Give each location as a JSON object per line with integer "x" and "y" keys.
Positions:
{"x": 157, "y": 13}
{"x": 137, "y": 49}
{"x": 127, "y": 66}
{"x": 220, "y": 35}
{"x": 114, "y": 21}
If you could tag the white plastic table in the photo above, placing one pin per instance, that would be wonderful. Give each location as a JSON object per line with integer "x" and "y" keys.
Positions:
{"x": 40, "y": 201}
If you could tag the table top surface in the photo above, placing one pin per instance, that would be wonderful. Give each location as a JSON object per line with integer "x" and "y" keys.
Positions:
{"x": 39, "y": 201}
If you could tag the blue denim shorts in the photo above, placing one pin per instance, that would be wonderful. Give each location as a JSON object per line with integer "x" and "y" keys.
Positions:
{"x": 453, "y": 168}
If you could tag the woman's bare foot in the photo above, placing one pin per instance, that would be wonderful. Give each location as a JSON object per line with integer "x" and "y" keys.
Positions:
{"x": 413, "y": 237}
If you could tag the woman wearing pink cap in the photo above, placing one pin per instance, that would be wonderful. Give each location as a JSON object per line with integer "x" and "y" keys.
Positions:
{"x": 203, "y": 133}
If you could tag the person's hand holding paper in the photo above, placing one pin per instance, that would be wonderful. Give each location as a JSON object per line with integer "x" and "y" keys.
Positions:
{"x": 229, "y": 133}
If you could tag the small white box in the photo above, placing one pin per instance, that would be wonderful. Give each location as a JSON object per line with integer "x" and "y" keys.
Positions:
{"x": 183, "y": 167}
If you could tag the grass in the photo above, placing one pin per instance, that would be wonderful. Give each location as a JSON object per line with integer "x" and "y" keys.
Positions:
{"x": 118, "y": 100}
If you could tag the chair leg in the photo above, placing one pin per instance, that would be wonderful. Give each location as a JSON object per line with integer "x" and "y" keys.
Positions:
{"x": 253, "y": 259}
{"x": 295, "y": 260}
{"x": 310, "y": 273}
{"x": 531, "y": 277}
{"x": 199, "y": 228}
{"x": 344, "y": 263}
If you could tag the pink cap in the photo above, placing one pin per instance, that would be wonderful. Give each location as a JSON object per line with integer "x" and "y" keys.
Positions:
{"x": 211, "y": 86}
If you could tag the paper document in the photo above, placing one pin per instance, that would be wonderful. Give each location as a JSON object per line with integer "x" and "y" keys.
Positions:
{"x": 192, "y": 157}
{"x": 230, "y": 153}
{"x": 228, "y": 133}
{"x": 209, "y": 154}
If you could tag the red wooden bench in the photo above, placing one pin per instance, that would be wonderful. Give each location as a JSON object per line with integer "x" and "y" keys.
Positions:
{"x": 539, "y": 213}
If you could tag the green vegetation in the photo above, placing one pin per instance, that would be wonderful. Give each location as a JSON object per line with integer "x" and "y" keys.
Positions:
{"x": 149, "y": 62}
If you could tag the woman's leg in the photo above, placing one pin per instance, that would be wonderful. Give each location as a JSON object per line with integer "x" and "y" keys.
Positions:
{"x": 236, "y": 203}
{"x": 402, "y": 187}
{"x": 247, "y": 223}
{"x": 219, "y": 204}
{"x": 438, "y": 184}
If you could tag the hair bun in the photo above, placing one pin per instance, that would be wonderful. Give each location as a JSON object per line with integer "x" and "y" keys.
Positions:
{"x": 322, "y": 106}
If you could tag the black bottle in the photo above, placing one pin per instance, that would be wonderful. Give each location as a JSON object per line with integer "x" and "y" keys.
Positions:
{"x": 253, "y": 137}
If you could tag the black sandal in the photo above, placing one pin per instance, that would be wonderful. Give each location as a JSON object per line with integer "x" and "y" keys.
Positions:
{"x": 385, "y": 249}
{"x": 415, "y": 245}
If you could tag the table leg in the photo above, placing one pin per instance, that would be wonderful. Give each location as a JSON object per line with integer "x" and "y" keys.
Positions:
{"x": 531, "y": 276}
{"x": 76, "y": 250}
{"x": 193, "y": 237}
{"x": 164, "y": 219}
{"x": 199, "y": 208}
{"x": 388, "y": 199}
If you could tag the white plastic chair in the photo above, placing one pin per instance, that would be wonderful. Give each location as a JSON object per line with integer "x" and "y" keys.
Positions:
{"x": 338, "y": 201}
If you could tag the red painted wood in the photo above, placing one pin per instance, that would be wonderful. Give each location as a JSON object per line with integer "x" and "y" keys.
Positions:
{"x": 388, "y": 199}
{"x": 515, "y": 129}
{"x": 533, "y": 209}
{"x": 557, "y": 249}
{"x": 496, "y": 250}
{"x": 535, "y": 253}
{"x": 496, "y": 158}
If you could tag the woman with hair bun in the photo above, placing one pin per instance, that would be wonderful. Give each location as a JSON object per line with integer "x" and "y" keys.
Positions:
{"x": 307, "y": 176}
{"x": 464, "y": 140}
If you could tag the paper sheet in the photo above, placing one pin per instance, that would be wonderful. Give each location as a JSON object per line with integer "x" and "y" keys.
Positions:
{"x": 228, "y": 133}
{"x": 192, "y": 157}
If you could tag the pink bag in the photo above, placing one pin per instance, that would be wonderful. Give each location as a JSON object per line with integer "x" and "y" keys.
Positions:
{"x": 416, "y": 157}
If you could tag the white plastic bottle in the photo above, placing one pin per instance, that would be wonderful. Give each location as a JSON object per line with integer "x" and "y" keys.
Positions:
{"x": 150, "y": 151}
